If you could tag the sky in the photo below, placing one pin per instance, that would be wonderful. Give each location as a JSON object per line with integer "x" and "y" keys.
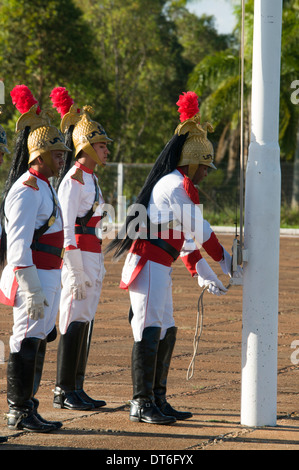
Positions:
{"x": 221, "y": 9}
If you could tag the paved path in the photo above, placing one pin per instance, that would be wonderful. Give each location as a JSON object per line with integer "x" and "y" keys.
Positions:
{"x": 213, "y": 394}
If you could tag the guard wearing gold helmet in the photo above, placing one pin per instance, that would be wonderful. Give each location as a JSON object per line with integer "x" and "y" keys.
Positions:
{"x": 169, "y": 228}
{"x": 33, "y": 235}
{"x": 83, "y": 271}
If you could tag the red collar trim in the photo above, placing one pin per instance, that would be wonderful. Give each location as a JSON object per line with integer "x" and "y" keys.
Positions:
{"x": 84, "y": 168}
{"x": 190, "y": 188}
{"x": 182, "y": 172}
{"x": 39, "y": 175}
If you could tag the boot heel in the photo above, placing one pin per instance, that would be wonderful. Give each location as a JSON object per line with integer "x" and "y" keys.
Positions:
{"x": 135, "y": 414}
{"x": 58, "y": 399}
{"x": 135, "y": 419}
{"x": 57, "y": 405}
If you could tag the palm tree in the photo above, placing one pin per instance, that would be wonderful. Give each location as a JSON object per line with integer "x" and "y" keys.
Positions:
{"x": 217, "y": 80}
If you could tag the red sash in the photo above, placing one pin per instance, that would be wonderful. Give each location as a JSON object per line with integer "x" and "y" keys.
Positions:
{"x": 147, "y": 250}
{"x": 44, "y": 260}
{"x": 87, "y": 241}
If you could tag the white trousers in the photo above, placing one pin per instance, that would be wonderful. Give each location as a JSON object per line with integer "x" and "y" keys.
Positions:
{"x": 84, "y": 310}
{"x": 151, "y": 299}
{"x": 23, "y": 326}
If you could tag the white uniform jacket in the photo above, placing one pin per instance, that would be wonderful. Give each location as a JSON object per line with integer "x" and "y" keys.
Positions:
{"x": 182, "y": 226}
{"x": 77, "y": 193}
{"x": 28, "y": 206}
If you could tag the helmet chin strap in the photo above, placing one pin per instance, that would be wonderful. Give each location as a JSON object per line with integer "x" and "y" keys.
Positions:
{"x": 47, "y": 157}
{"x": 192, "y": 170}
{"x": 48, "y": 160}
{"x": 93, "y": 154}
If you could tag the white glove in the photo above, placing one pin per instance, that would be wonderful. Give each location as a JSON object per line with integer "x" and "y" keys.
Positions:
{"x": 29, "y": 282}
{"x": 77, "y": 278}
{"x": 207, "y": 278}
{"x": 227, "y": 268}
{"x": 226, "y": 263}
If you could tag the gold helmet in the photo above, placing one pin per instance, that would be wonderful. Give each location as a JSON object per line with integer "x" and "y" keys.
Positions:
{"x": 43, "y": 137}
{"x": 197, "y": 149}
{"x": 86, "y": 131}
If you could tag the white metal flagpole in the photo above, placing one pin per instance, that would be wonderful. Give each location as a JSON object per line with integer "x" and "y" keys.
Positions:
{"x": 262, "y": 224}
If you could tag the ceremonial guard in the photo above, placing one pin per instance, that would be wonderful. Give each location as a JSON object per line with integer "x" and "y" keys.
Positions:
{"x": 83, "y": 271}
{"x": 170, "y": 228}
{"x": 32, "y": 246}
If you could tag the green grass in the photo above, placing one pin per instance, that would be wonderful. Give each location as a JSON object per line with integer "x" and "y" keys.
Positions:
{"x": 289, "y": 218}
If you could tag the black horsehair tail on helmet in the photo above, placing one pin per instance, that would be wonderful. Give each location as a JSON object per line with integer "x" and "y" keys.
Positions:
{"x": 23, "y": 99}
{"x": 165, "y": 164}
{"x": 68, "y": 156}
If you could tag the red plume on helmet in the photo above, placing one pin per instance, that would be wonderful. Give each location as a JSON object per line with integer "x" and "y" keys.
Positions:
{"x": 61, "y": 100}
{"x": 23, "y": 99}
{"x": 188, "y": 105}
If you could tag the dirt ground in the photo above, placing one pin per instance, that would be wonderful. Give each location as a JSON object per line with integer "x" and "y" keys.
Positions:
{"x": 213, "y": 394}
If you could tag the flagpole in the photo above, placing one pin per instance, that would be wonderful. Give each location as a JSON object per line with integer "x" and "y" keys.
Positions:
{"x": 262, "y": 224}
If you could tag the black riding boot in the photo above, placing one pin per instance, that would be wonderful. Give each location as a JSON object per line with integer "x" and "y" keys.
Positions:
{"x": 69, "y": 349}
{"x": 164, "y": 355}
{"x": 80, "y": 376}
{"x": 40, "y": 358}
{"x": 144, "y": 357}
{"x": 20, "y": 382}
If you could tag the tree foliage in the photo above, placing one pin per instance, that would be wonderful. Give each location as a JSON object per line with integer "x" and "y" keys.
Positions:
{"x": 217, "y": 79}
{"x": 130, "y": 60}
{"x": 42, "y": 42}
{"x": 141, "y": 57}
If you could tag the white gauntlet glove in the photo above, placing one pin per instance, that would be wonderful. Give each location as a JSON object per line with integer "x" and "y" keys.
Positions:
{"x": 29, "y": 282}
{"x": 207, "y": 277}
{"x": 226, "y": 265}
{"x": 77, "y": 279}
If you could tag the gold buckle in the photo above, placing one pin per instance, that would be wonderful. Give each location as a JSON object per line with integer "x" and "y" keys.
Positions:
{"x": 62, "y": 253}
{"x": 51, "y": 220}
{"x": 95, "y": 205}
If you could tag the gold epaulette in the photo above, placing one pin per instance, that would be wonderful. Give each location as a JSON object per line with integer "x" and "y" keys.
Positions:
{"x": 78, "y": 176}
{"x": 31, "y": 182}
